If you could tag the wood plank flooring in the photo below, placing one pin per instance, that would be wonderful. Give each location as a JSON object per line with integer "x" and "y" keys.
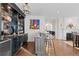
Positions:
{"x": 60, "y": 48}
{"x": 30, "y": 47}
{"x": 23, "y": 52}
{"x": 27, "y": 50}
{"x": 63, "y": 49}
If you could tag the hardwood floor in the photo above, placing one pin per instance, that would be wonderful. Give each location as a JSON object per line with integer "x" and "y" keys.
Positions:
{"x": 30, "y": 47}
{"x": 63, "y": 49}
{"x": 23, "y": 52}
{"x": 27, "y": 50}
{"x": 60, "y": 48}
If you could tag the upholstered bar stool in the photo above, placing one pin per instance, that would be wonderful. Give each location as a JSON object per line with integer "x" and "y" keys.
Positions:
{"x": 49, "y": 44}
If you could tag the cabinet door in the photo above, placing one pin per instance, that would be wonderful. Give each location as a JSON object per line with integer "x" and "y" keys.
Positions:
{"x": 17, "y": 43}
{"x": 5, "y": 49}
{"x": 1, "y": 25}
{"x": 13, "y": 45}
{"x": 69, "y": 36}
{"x": 25, "y": 38}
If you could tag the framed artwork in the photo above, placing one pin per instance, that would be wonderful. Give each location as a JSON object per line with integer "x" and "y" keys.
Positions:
{"x": 34, "y": 24}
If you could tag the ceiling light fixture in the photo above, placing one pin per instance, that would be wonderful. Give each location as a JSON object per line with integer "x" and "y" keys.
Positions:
{"x": 8, "y": 7}
{"x": 57, "y": 11}
{"x": 26, "y": 9}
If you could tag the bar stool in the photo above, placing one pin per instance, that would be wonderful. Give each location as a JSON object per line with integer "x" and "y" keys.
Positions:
{"x": 50, "y": 43}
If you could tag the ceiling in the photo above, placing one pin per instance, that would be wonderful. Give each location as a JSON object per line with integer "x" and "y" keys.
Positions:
{"x": 55, "y": 9}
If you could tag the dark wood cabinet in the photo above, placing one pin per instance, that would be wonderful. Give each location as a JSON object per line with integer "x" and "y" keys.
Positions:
{"x": 69, "y": 36}
{"x": 76, "y": 41}
{"x": 16, "y": 44}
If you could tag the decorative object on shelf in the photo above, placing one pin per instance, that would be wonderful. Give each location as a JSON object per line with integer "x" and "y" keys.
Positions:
{"x": 70, "y": 26}
{"x": 7, "y": 18}
{"x": 34, "y": 24}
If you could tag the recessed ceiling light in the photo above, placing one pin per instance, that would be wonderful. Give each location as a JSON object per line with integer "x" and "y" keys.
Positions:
{"x": 58, "y": 11}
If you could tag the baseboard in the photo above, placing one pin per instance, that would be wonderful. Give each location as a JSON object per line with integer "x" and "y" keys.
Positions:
{"x": 30, "y": 41}
{"x": 61, "y": 39}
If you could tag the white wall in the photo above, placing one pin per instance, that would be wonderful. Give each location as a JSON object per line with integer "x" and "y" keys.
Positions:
{"x": 61, "y": 26}
{"x": 32, "y": 32}
{"x": 58, "y": 27}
